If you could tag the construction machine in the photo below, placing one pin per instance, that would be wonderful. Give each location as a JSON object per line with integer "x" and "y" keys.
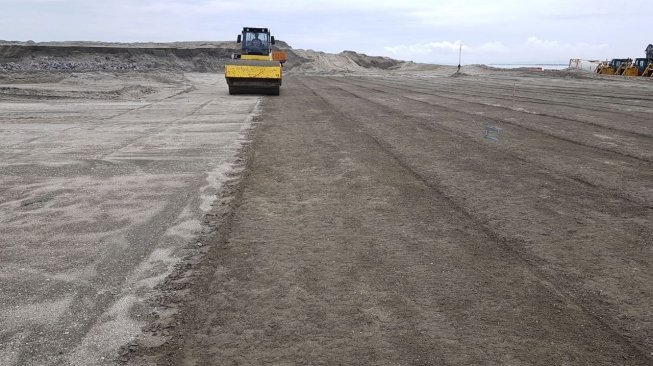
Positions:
{"x": 623, "y": 66}
{"x": 640, "y": 65}
{"x": 613, "y": 67}
{"x": 256, "y": 69}
{"x": 601, "y": 67}
{"x": 628, "y": 67}
{"x": 631, "y": 69}
{"x": 648, "y": 71}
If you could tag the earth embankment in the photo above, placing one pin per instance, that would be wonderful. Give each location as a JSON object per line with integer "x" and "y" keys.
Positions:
{"x": 182, "y": 56}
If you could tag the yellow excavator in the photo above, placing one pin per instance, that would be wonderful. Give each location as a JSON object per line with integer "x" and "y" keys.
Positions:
{"x": 256, "y": 69}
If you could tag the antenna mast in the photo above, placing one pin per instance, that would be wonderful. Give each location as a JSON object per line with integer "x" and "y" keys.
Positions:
{"x": 460, "y": 55}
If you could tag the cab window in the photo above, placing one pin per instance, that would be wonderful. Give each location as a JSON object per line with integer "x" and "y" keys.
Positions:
{"x": 256, "y": 43}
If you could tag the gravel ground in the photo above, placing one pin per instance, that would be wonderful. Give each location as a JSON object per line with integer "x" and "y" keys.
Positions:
{"x": 501, "y": 218}
{"x": 377, "y": 217}
{"x": 104, "y": 183}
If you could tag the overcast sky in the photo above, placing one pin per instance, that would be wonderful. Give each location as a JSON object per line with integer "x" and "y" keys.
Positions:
{"x": 495, "y": 31}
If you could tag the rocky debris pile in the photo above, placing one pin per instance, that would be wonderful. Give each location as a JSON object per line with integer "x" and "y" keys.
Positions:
{"x": 58, "y": 64}
{"x": 26, "y": 58}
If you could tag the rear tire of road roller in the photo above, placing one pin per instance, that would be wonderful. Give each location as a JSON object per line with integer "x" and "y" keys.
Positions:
{"x": 274, "y": 91}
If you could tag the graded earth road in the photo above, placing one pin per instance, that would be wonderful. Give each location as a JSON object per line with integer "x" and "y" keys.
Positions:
{"x": 104, "y": 181}
{"x": 503, "y": 218}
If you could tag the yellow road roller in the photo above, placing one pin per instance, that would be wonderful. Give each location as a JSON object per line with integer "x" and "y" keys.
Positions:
{"x": 256, "y": 69}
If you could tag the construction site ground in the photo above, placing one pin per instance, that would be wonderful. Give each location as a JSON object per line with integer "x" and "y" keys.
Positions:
{"x": 409, "y": 218}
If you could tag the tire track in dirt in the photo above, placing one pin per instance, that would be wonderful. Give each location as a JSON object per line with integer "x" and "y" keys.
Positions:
{"x": 492, "y": 94}
{"x": 156, "y": 130}
{"x": 188, "y": 89}
{"x": 631, "y": 174}
{"x": 97, "y": 125}
{"x": 580, "y": 94}
{"x": 506, "y": 240}
{"x": 340, "y": 252}
{"x": 627, "y": 135}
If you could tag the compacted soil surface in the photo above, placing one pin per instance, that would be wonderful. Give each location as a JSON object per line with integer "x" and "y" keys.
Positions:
{"x": 104, "y": 180}
{"x": 499, "y": 218}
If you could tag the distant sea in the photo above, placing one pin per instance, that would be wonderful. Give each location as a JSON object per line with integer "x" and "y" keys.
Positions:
{"x": 543, "y": 66}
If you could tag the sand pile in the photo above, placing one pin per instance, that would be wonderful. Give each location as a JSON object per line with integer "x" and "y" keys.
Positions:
{"x": 309, "y": 61}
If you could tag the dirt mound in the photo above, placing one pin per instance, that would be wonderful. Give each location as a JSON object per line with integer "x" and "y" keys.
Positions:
{"x": 110, "y": 58}
{"x": 310, "y": 61}
{"x": 578, "y": 73}
{"x": 366, "y": 61}
{"x": 321, "y": 62}
{"x": 182, "y": 56}
{"x": 93, "y": 85}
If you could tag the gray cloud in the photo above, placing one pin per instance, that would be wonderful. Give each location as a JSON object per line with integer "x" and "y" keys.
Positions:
{"x": 492, "y": 32}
